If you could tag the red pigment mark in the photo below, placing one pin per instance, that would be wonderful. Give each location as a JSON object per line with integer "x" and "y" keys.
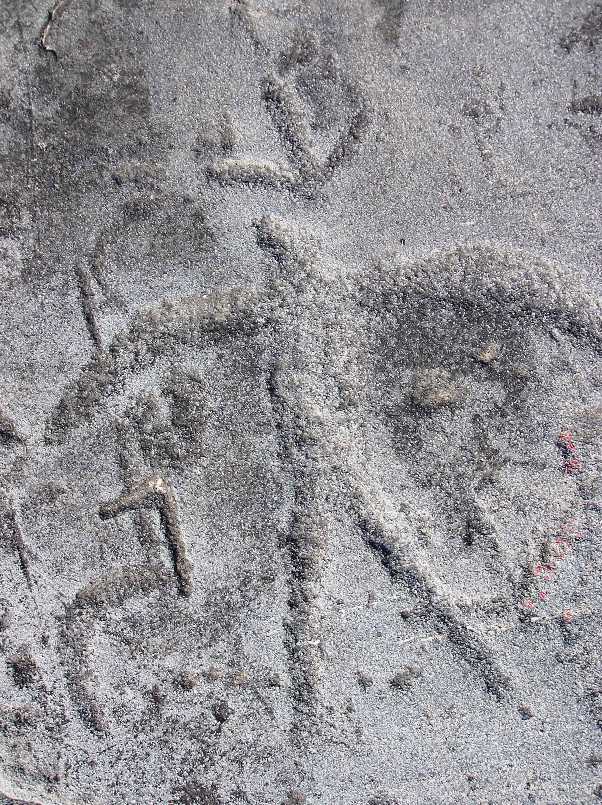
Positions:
{"x": 561, "y": 545}
{"x": 565, "y": 439}
{"x": 572, "y": 466}
{"x": 571, "y": 460}
{"x": 569, "y": 527}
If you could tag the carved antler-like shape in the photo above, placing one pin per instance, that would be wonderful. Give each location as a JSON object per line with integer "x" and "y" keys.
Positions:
{"x": 308, "y": 172}
{"x": 155, "y": 491}
{"x": 117, "y": 587}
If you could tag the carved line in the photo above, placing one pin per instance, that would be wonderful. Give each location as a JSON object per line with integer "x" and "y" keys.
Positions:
{"x": 90, "y": 602}
{"x": 302, "y": 542}
{"x": 12, "y": 530}
{"x": 288, "y": 119}
{"x": 391, "y": 550}
{"x": 157, "y": 491}
{"x": 88, "y": 303}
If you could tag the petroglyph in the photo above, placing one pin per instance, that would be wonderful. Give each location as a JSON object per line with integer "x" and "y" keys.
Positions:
{"x": 299, "y": 470}
{"x": 90, "y": 606}
{"x": 309, "y": 171}
{"x": 10, "y": 529}
{"x": 431, "y": 367}
{"x": 157, "y": 492}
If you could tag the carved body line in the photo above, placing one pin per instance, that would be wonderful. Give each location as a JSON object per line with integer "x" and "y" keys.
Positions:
{"x": 303, "y": 542}
{"x": 156, "y": 491}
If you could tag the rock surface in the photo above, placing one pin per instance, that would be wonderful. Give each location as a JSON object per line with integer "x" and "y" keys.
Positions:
{"x": 300, "y": 401}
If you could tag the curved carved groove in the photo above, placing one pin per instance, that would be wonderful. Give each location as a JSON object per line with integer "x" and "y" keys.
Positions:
{"x": 89, "y": 606}
{"x": 191, "y": 321}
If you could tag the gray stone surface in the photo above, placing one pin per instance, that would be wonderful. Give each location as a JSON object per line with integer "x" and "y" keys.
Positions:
{"x": 300, "y": 401}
